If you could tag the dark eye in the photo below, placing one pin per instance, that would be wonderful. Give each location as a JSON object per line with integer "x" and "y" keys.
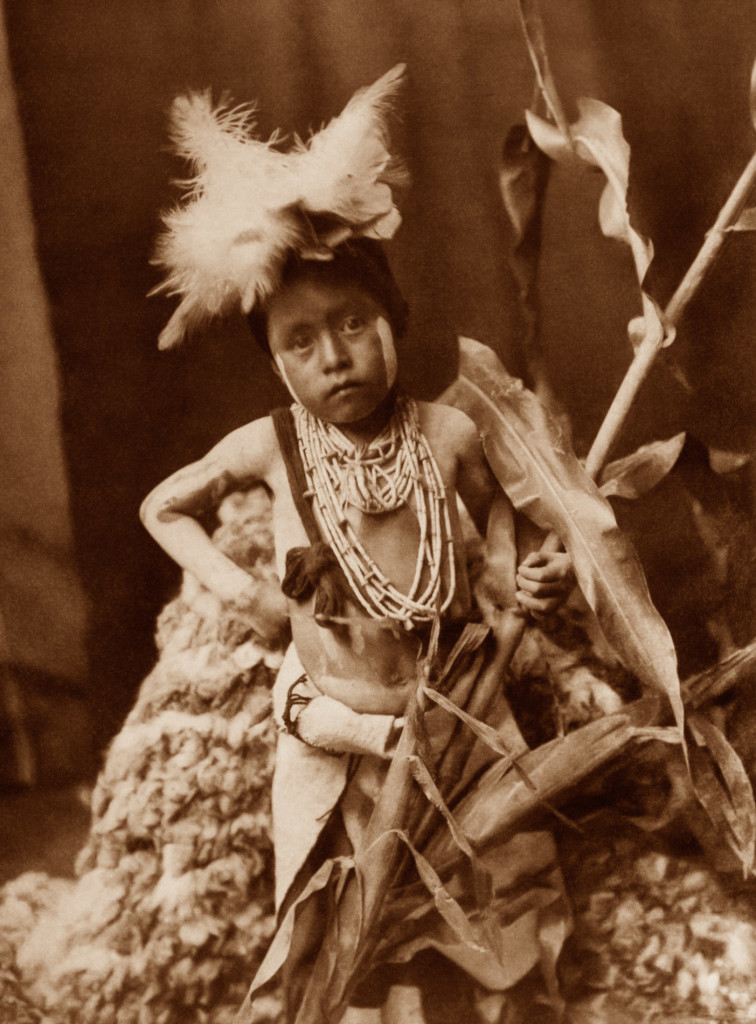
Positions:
{"x": 300, "y": 342}
{"x": 353, "y": 324}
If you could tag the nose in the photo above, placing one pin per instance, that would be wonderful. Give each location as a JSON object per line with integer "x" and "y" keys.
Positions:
{"x": 334, "y": 352}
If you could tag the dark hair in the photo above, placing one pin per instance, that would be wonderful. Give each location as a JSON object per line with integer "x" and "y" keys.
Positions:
{"x": 360, "y": 261}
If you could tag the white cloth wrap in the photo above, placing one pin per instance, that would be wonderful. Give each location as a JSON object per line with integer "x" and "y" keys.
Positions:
{"x": 311, "y": 773}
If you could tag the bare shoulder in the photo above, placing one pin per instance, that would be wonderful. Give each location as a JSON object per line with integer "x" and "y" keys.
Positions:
{"x": 456, "y": 443}
{"x": 448, "y": 428}
{"x": 251, "y": 450}
{"x": 248, "y": 455}
{"x": 257, "y": 436}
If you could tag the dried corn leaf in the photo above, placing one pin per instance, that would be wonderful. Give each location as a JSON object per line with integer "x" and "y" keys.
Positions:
{"x": 544, "y": 480}
{"x": 746, "y": 221}
{"x": 423, "y": 778}
{"x": 532, "y": 26}
{"x": 638, "y": 473}
{"x": 723, "y": 462}
{"x": 501, "y": 802}
{"x": 523, "y": 177}
{"x": 483, "y": 731}
{"x": 731, "y": 805}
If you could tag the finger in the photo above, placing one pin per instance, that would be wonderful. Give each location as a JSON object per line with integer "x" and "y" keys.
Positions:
{"x": 543, "y": 605}
{"x": 560, "y": 571}
{"x": 556, "y": 570}
{"x": 539, "y": 588}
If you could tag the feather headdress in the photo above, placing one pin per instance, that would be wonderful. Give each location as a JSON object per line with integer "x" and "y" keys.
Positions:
{"x": 249, "y": 202}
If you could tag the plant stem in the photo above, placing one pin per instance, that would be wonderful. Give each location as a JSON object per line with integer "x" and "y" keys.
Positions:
{"x": 650, "y": 347}
{"x": 621, "y": 403}
{"x": 715, "y": 237}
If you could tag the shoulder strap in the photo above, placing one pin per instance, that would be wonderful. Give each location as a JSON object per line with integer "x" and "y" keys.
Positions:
{"x": 286, "y": 432}
{"x": 313, "y": 570}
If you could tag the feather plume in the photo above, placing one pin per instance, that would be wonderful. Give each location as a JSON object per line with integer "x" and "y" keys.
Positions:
{"x": 347, "y": 168}
{"x": 247, "y": 202}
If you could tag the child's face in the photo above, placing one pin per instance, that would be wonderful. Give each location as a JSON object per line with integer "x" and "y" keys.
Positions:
{"x": 333, "y": 346}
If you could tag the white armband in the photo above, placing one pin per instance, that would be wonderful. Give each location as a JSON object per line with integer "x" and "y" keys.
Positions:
{"x": 327, "y": 723}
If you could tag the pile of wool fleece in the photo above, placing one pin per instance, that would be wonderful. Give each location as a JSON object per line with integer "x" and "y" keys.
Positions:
{"x": 171, "y": 910}
{"x": 657, "y": 937}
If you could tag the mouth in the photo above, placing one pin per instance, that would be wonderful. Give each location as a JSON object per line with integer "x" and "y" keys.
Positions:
{"x": 344, "y": 388}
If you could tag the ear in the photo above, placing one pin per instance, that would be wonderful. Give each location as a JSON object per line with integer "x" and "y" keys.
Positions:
{"x": 274, "y": 366}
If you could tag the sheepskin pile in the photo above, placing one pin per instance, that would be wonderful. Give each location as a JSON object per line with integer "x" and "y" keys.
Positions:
{"x": 657, "y": 937}
{"x": 172, "y": 908}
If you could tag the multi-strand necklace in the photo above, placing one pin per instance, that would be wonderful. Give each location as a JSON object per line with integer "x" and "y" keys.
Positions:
{"x": 395, "y": 468}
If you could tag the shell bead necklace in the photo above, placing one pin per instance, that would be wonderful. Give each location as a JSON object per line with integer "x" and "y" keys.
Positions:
{"x": 396, "y": 466}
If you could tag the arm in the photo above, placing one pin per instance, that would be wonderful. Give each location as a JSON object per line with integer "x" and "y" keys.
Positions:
{"x": 327, "y": 723}
{"x": 169, "y": 513}
{"x": 493, "y": 515}
{"x": 543, "y": 580}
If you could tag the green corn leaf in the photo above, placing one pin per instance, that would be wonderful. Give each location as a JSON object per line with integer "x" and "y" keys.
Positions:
{"x": 545, "y": 481}
{"x": 551, "y": 140}
{"x": 325, "y": 890}
{"x": 444, "y": 902}
{"x": 732, "y": 671}
{"x": 483, "y": 731}
{"x": 522, "y": 923}
{"x": 597, "y": 138}
{"x": 423, "y": 778}
{"x": 523, "y": 177}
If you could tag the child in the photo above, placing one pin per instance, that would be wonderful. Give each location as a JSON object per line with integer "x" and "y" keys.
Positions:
{"x": 364, "y": 480}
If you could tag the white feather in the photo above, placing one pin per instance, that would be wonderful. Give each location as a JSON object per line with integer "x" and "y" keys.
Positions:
{"x": 246, "y": 204}
{"x": 347, "y": 168}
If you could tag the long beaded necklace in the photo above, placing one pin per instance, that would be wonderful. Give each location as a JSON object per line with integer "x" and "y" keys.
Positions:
{"x": 380, "y": 477}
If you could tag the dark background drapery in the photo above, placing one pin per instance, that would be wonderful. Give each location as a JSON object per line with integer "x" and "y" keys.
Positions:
{"x": 93, "y": 85}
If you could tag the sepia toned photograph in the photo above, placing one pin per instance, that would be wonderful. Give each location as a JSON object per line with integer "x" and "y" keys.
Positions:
{"x": 377, "y": 540}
